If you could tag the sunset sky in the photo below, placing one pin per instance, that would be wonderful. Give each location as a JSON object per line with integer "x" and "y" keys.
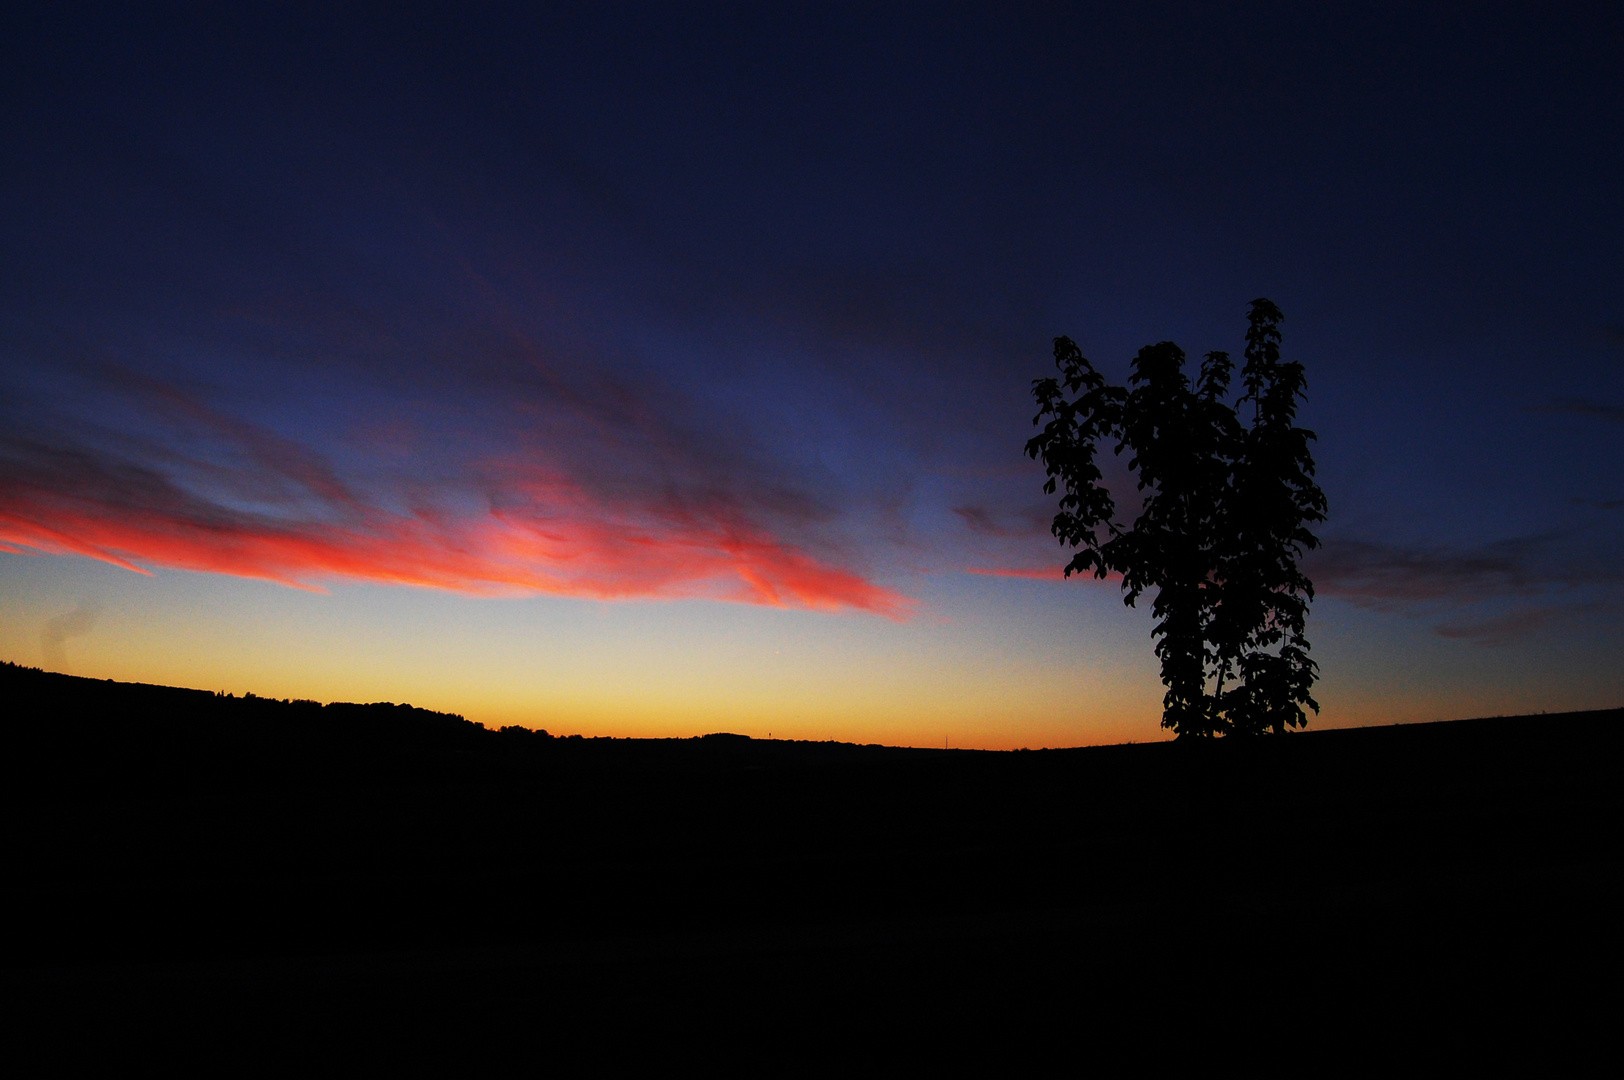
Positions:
{"x": 666, "y": 370}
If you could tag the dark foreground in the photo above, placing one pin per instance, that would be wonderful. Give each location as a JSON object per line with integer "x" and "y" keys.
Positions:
{"x": 281, "y": 883}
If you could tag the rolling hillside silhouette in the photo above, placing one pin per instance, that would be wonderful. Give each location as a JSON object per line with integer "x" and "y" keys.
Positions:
{"x": 176, "y": 852}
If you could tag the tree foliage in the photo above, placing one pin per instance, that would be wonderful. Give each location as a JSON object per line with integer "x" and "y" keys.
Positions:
{"x": 1225, "y": 517}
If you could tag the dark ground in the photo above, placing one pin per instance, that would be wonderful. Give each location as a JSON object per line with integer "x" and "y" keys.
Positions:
{"x": 285, "y": 883}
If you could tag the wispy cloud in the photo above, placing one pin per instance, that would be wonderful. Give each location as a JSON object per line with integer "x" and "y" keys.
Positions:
{"x": 60, "y": 629}
{"x": 1529, "y": 573}
{"x": 1584, "y": 407}
{"x": 520, "y": 524}
{"x": 1498, "y": 630}
{"x": 1384, "y": 575}
{"x": 1033, "y": 521}
{"x": 1039, "y": 573}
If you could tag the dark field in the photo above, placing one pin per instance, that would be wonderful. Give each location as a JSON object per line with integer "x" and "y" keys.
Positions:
{"x": 284, "y": 880}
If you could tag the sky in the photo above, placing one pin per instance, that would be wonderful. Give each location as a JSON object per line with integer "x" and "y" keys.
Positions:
{"x": 658, "y": 370}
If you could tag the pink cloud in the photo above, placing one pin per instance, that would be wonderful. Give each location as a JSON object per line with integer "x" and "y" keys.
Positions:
{"x": 541, "y": 533}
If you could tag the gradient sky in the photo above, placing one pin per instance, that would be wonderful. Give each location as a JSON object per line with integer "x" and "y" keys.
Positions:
{"x": 655, "y": 371}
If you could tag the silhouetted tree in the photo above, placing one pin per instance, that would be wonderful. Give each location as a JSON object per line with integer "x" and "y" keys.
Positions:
{"x": 1223, "y": 522}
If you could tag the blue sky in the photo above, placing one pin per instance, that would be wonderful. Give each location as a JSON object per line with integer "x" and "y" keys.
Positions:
{"x": 481, "y": 322}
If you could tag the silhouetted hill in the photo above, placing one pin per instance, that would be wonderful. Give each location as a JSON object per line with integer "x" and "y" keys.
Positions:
{"x": 511, "y": 874}
{"x": 135, "y": 732}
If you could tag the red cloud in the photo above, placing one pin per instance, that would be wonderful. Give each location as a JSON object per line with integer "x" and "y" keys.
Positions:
{"x": 545, "y": 536}
{"x": 1042, "y": 573}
